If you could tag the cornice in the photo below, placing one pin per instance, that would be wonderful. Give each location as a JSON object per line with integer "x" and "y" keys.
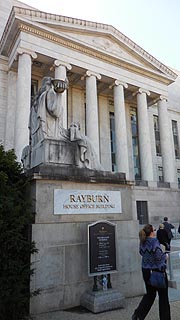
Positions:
{"x": 3, "y": 59}
{"x": 50, "y": 36}
{"x": 99, "y": 27}
{"x": 22, "y": 18}
{"x": 3, "y": 63}
{"x": 7, "y": 28}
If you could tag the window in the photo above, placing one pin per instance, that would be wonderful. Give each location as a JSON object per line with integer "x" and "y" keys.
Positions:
{"x": 113, "y": 143}
{"x": 142, "y": 212}
{"x": 34, "y": 88}
{"x": 135, "y": 143}
{"x": 175, "y": 138}
{"x": 157, "y": 135}
{"x": 160, "y": 174}
{"x": 178, "y": 177}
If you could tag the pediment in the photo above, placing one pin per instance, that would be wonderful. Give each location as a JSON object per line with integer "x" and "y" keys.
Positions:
{"x": 106, "y": 45}
{"x": 99, "y": 37}
{"x": 114, "y": 44}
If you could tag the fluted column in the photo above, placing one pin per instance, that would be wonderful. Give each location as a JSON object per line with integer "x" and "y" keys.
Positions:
{"x": 166, "y": 146}
{"x": 122, "y": 161}
{"x": 23, "y": 100}
{"x": 144, "y": 136}
{"x": 92, "y": 127}
{"x": 61, "y": 73}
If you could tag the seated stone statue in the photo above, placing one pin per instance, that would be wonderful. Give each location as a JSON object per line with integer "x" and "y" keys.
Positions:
{"x": 45, "y": 124}
{"x": 85, "y": 156}
{"x": 45, "y": 115}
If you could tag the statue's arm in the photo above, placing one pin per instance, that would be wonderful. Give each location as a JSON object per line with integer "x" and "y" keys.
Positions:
{"x": 52, "y": 103}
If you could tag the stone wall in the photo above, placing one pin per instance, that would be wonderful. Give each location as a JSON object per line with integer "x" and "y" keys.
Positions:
{"x": 161, "y": 202}
{"x": 61, "y": 265}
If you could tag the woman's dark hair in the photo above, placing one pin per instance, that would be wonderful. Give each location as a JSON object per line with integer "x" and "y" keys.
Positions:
{"x": 145, "y": 232}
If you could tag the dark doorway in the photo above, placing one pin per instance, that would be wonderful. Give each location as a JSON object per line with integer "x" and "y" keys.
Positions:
{"x": 142, "y": 212}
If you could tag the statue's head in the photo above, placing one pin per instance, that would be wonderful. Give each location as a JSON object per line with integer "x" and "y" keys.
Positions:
{"x": 75, "y": 125}
{"x": 45, "y": 82}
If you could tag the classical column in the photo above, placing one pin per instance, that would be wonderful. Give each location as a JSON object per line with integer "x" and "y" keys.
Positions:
{"x": 122, "y": 161}
{"x": 166, "y": 146}
{"x": 92, "y": 127}
{"x": 11, "y": 110}
{"x": 144, "y": 136}
{"x": 61, "y": 73}
{"x": 23, "y": 100}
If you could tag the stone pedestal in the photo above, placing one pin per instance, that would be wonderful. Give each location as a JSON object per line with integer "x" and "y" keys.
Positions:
{"x": 53, "y": 151}
{"x": 100, "y": 301}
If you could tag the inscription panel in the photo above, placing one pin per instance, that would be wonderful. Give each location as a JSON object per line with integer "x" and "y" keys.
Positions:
{"x": 86, "y": 201}
{"x": 101, "y": 248}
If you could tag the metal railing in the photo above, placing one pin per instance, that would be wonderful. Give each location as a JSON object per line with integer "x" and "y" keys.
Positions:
{"x": 175, "y": 232}
{"x": 173, "y": 265}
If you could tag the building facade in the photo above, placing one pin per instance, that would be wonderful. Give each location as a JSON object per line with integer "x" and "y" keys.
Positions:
{"x": 126, "y": 101}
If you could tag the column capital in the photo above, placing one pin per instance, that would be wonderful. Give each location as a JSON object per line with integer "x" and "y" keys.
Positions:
{"x": 118, "y": 83}
{"x": 141, "y": 90}
{"x": 91, "y": 73}
{"x": 58, "y": 63}
{"x": 21, "y": 51}
{"x": 162, "y": 97}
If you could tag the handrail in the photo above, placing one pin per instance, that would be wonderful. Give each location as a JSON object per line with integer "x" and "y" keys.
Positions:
{"x": 172, "y": 263}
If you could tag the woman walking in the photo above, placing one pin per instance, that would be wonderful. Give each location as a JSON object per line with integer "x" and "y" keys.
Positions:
{"x": 153, "y": 258}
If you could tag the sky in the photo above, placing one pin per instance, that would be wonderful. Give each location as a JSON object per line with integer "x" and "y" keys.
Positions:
{"x": 152, "y": 24}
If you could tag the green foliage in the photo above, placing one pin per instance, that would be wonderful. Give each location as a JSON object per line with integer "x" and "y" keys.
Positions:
{"x": 15, "y": 244}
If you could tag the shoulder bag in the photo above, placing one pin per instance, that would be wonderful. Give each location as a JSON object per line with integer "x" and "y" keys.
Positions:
{"x": 157, "y": 279}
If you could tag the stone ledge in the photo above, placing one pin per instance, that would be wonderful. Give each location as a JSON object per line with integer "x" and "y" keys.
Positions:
{"x": 73, "y": 173}
{"x": 100, "y": 301}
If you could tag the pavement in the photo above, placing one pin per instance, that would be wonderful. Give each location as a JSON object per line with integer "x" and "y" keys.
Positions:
{"x": 80, "y": 313}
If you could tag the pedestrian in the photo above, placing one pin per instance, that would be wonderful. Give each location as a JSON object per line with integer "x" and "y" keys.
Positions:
{"x": 168, "y": 226}
{"x": 162, "y": 236}
{"x": 179, "y": 229}
{"x": 153, "y": 258}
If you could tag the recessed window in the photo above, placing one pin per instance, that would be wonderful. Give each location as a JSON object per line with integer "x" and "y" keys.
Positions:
{"x": 157, "y": 135}
{"x": 135, "y": 143}
{"x": 113, "y": 142}
{"x": 178, "y": 177}
{"x": 175, "y": 138}
{"x": 142, "y": 212}
{"x": 160, "y": 174}
{"x": 34, "y": 88}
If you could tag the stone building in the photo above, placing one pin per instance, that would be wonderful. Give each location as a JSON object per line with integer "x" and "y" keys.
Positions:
{"x": 127, "y": 103}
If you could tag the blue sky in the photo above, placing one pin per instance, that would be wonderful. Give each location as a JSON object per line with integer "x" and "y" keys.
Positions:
{"x": 152, "y": 24}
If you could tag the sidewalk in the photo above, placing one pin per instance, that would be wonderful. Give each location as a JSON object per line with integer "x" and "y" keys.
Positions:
{"x": 80, "y": 313}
